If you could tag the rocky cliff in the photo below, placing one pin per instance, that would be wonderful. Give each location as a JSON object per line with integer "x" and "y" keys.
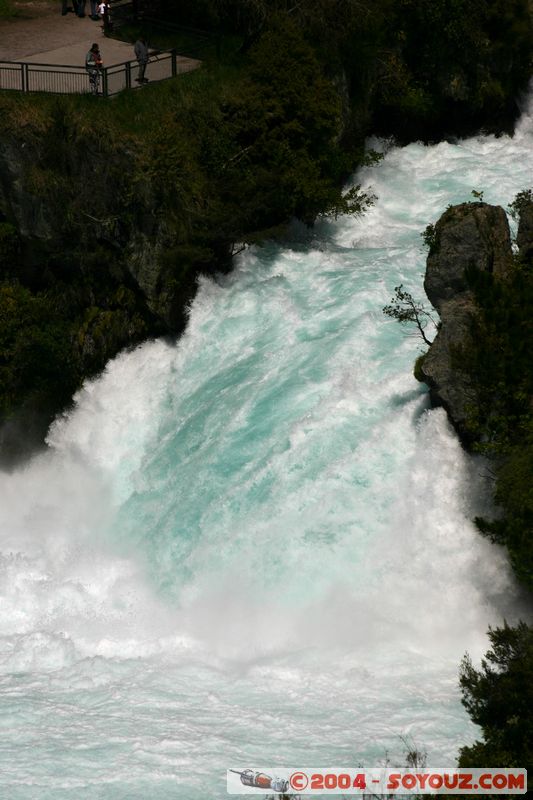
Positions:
{"x": 468, "y": 237}
{"x": 479, "y": 366}
{"x": 84, "y": 272}
{"x": 92, "y": 206}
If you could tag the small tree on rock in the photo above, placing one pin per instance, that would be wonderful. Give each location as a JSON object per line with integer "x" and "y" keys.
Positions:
{"x": 406, "y": 309}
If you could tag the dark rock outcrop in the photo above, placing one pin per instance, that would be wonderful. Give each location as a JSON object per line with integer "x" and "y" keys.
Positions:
{"x": 86, "y": 248}
{"x": 524, "y": 238}
{"x": 471, "y": 235}
{"x": 93, "y": 208}
{"x": 467, "y": 236}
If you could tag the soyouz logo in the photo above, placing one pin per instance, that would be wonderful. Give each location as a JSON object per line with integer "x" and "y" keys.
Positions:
{"x": 349, "y": 781}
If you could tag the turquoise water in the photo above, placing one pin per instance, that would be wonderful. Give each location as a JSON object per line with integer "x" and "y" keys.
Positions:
{"x": 254, "y": 546}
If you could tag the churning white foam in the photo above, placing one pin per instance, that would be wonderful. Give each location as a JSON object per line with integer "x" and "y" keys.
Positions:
{"x": 255, "y": 546}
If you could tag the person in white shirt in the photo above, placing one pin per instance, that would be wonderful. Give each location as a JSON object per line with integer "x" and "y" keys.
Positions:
{"x": 104, "y": 14}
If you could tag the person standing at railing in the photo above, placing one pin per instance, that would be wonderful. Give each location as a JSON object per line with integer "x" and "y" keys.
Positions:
{"x": 141, "y": 54}
{"x": 93, "y": 65}
{"x": 103, "y": 11}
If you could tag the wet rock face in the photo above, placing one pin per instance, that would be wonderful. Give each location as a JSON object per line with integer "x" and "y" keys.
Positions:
{"x": 471, "y": 235}
{"x": 524, "y": 238}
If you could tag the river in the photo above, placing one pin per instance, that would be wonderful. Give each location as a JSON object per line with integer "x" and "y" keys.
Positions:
{"x": 255, "y": 546}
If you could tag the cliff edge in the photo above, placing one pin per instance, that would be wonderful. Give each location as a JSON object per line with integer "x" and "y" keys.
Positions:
{"x": 468, "y": 237}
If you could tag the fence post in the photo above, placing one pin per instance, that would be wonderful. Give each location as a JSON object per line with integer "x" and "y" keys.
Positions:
{"x": 104, "y": 82}
{"x": 174, "y": 62}
{"x": 25, "y": 81}
{"x": 128, "y": 74}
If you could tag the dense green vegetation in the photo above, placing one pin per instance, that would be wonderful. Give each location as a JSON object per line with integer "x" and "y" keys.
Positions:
{"x": 498, "y": 363}
{"x": 195, "y": 167}
{"x": 221, "y": 156}
{"x": 7, "y": 9}
{"x": 417, "y": 68}
{"x": 502, "y": 419}
{"x": 451, "y": 60}
{"x": 499, "y": 698}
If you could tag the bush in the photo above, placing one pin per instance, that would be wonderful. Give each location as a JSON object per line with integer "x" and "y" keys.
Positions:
{"x": 35, "y": 349}
{"x": 9, "y": 247}
{"x": 7, "y": 9}
{"x": 499, "y": 698}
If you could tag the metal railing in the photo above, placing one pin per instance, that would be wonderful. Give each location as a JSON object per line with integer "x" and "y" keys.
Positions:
{"x": 24, "y": 76}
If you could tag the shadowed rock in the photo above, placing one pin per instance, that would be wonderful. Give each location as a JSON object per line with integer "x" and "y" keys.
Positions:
{"x": 467, "y": 236}
{"x": 524, "y": 238}
{"x": 471, "y": 235}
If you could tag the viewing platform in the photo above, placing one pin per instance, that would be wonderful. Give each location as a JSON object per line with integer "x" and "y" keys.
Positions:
{"x": 47, "y": 54}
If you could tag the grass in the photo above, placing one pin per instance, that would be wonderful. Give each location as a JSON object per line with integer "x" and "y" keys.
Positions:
{"x": 8, "y": 9}
{"x": 135, "y": 113}
{"x": 25, "y": 9}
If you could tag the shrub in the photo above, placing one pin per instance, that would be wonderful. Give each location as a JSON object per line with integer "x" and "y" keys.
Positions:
{"x": 499, "y": 698}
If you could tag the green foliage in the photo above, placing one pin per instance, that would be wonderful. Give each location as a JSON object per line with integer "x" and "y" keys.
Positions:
{"x": 425, "y": 66}
{"x": 7, "y": 9}
{"x": 515, "y": 494}
{"x": 498, "y": 361}
{"x": 371, "y": 158}
{"x": 9, "y": 247}
{"x": 499, "y": 698}
{"x": 522, "y": 199}
{"x": 353, "y": 202}
{"x": 51, "y": 339}
{"x": 452, "y": 60}
{"x": 500, "y": 358}
{"x": 262, "y": 149}
{"x": 35, "y": 351}
{"x": 221, "y": 156}
{"x": 229, "y": 153}
{"x": 429, "y": 236}
{"x": 404, "y": 308}
{"x": 282, "y": 127}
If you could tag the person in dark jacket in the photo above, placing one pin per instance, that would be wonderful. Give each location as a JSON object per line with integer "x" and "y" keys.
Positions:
{"x": 93, "y": 65}
{"x": 65, "y": 8}
{"x": 141, "y": 54}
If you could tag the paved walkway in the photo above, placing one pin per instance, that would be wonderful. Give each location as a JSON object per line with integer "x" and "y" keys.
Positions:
{"x": 48, "y": 33}
{"x": 43, "y": 36}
